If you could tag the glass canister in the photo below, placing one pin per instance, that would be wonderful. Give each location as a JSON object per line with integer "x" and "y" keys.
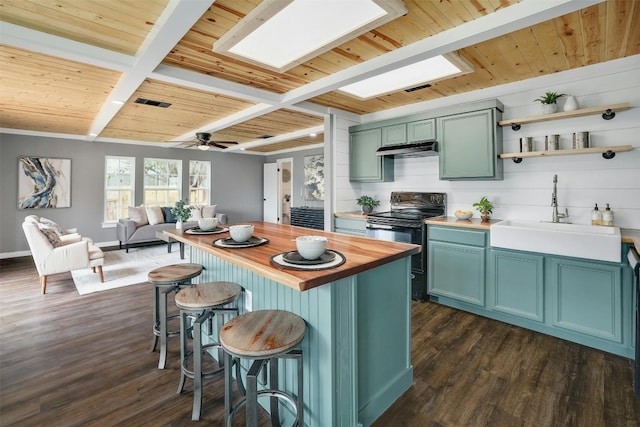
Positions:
{"x": 526, "y": 144}
{"x": 552, "y": 142}
{"x": 581, "y": 140}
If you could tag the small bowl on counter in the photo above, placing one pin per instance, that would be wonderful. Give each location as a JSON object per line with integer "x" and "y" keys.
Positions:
{"x": 311, "y": 247}
{"x": 241, "y": 232}
{"x": 463, "y": 214}
{"x": 207, "y": 224}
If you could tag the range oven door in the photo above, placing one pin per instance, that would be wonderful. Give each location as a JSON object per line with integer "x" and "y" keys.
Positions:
{"x": 414, "y": 235}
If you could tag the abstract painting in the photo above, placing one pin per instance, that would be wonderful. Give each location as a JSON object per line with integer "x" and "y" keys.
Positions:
{"x": 44, "y": 182}
{"x": 313, "y": 177}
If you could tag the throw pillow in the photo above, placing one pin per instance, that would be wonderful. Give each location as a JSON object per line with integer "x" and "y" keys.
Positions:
{"x": 196, "y": 214}
{"x": 154, "y": 215}
{"x": 209, "y": 211}
{"x": 168, "y": 216}
{"x": 52, "y": 225}
{"x": 50, "y": 233}
{"x": 138, "y": 215}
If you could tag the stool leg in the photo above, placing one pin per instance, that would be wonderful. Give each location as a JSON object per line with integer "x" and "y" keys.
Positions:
{"x": 183, "y": 349}
{"x": 252, "y": 393}
{"x": 197, "y": 368}
{"x": 163, "y": 327}
{"x": 273, "y": 384}
{"x": 227, "y": 388}
{"x": 300, "y": 403}
{"x": 156, "y": 315}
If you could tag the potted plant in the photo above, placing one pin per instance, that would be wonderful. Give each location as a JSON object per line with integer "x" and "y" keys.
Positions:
{"x": 182, "y": 212}
{"x": 549, "y": 102}
{"x": 485, "y": 207}
{"x": 367, "y": 203}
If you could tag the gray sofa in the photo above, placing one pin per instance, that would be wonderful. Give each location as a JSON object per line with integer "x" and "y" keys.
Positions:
{"x": 129, "y": 232}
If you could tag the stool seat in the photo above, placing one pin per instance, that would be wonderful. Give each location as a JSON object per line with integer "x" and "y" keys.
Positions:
{"x": 207, "y": 295}
{"x": 174, "y": 273}
{"x": 262, "y": 333}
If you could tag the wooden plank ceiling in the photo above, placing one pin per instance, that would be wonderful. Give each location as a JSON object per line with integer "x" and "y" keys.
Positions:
{"x": 64, "y": 62}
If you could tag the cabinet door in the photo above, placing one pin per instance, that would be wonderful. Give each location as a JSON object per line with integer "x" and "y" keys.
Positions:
{"x": 516, "y": 284}
{"x": 364, "y": 164}
{"x": 587, "y": 297}
{"x": 469, "y": 145}
{"x": 421, "y": 130}
{"x": 349, "y": 226}
{"x": 456, "y": 271}
{"x": 393, "y": 135}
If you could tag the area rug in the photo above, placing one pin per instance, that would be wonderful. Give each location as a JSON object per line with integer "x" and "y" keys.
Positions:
{"x": 125, "y": 269}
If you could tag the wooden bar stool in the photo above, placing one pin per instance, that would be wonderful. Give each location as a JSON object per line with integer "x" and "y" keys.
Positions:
{"x": 199, "y": 304}
{"x": 165, "y": 280}
{"x": 263, "y": 336}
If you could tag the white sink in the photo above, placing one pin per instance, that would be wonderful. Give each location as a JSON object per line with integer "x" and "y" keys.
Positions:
{"x": 575, "y": 240}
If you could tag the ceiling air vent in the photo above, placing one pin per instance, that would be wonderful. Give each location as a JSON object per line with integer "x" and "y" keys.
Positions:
{"x": 152, "y": 102}
{"x": 417, "y": 88}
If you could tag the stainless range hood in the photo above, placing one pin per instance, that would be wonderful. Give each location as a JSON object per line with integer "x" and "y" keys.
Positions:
{"x": 423, "y": 148}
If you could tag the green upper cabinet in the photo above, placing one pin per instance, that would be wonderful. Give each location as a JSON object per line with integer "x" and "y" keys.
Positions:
{"x": 469, "y": 145}
{"x": 421, "y": 130}
{"x": 364, "y": 164}
{"x": 394, "y": 135}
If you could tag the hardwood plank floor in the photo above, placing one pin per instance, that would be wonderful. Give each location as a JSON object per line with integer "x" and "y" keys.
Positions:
{"x": 71, "y": 360}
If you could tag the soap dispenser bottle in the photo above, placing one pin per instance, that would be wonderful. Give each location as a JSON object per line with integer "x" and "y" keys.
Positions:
{"x": 596, "y": 216}
{"x": 607, "y": 216}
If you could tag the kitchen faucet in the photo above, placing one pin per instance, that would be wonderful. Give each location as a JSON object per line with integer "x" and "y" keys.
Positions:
{"x": 554, "y": 202}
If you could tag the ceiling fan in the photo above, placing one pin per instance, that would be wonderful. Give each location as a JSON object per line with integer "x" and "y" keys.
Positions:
{"x": 204, "y": 142}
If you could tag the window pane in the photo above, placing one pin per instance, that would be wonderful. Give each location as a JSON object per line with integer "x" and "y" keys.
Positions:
{"x": 163, "y": 182}
{"x": 119, "y": 187}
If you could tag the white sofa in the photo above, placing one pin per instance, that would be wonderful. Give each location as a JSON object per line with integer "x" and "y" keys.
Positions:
{"x": 59, "y": 251}
{"x": 140, "y": 228}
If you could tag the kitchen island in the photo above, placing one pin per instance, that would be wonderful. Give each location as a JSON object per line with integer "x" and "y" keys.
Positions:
{"x": 357, "y": 358}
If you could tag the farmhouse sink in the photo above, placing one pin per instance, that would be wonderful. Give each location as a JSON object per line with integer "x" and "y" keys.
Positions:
{"x": 574, "y": 240}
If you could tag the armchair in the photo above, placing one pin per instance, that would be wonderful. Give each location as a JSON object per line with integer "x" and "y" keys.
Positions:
{"x": 69, "y": 252}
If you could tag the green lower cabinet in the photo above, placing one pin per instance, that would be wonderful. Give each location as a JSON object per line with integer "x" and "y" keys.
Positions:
{"x": 586, "y": 297}
{"x": 516, "y": 284}
{"x": 353, "y": 226}
{"x": 456, "y": 271}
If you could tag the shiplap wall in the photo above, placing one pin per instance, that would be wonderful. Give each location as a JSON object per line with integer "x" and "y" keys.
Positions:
{"x": 525, "y": 192}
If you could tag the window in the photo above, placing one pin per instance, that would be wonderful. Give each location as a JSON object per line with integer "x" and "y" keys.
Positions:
{"x": 199, "y": 182}
{"x": 119, "y": 187}
{"x": 162, "y": 182}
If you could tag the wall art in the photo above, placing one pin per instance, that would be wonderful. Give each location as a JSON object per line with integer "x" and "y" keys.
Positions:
{"x": 44, "y": 182}
{"x": 313, "y": 177}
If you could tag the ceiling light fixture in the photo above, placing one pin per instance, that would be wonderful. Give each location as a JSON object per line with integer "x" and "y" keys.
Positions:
{"x": 429, "y": 70}
{"x": 117, "y": 102}
{"x": 282, "y": 34}
{"x": 203, "y": 147}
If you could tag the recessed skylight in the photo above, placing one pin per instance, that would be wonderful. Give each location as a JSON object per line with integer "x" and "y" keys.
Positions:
{"x": 281, "y": 35}
{"x": 429, "y": 70}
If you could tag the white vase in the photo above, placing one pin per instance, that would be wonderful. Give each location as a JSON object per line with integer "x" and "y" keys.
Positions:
{"x": 179, "y": 224}
{"x": 571, "y": 104}
{"x": 549, "y": 108}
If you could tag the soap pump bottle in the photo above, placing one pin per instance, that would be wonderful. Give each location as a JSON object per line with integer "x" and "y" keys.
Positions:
{"x": 607, "y": 216}
{"x": 596, "y": 216}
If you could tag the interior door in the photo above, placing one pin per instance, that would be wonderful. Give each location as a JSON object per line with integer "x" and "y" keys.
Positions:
{"x": 270, "y": 193}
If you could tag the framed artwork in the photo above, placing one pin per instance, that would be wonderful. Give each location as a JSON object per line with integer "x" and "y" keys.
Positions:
{"x": 313, "y": 177}
{"x": 44, "y": 182}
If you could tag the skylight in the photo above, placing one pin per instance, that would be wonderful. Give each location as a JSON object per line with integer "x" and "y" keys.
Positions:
{"x": 419, "y": 73}
{"x": 281, "y": 35}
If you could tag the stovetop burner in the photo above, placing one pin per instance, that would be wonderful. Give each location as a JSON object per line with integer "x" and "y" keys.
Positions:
{"x": 411, "y": 208}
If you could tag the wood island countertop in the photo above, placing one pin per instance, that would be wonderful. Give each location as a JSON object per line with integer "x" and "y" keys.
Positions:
{"x": 361, "y": 253}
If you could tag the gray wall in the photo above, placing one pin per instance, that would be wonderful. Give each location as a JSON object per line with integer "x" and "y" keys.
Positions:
{"x": 298, "y": 174}
{"x": 236, "y": 184}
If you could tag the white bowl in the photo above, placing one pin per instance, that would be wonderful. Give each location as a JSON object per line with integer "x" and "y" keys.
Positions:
{"x": 311, "y": 247}
{"x": 241, "y": 232}
{"x": 463, "y": 216}
{"x": 207, "y": 224}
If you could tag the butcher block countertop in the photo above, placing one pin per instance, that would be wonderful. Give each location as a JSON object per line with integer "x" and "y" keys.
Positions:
{"x": 361, "y": 253}
{"x": 352, "y": 215}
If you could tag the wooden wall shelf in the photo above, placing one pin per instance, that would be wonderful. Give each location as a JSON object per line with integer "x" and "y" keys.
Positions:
{"x": 607, "y": 152}
{"x": 608, "y": 112}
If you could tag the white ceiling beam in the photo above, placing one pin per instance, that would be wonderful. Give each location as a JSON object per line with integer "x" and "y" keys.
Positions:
{"x": 174, "y": 22}
{"x": 301, "y": 133}
{"x": 503, "y": 21}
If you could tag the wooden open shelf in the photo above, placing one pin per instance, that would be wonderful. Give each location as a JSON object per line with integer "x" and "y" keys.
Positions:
{"x": 607, "y": 152}
{"x": 605, "y": 110}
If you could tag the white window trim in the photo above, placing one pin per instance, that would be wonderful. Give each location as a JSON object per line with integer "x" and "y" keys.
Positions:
{"x": 107, "y": 223}
{"x": 179, "y": 167}
{"x": 208, "y": 181}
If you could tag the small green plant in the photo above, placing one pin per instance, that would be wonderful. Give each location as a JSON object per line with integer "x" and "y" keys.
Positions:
{"x": 181, "y": 211}
{"x": 484, "y": 205}
{"x": 549, "y": 98}
{"x": 367, "y": 201}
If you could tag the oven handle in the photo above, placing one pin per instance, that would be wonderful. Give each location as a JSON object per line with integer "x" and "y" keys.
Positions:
{"x": 390, "y": 227}
{"x": 381, "y": 226}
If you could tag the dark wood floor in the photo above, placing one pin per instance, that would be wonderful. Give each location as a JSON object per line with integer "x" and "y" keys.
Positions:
{"x": 70, "y": 360}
